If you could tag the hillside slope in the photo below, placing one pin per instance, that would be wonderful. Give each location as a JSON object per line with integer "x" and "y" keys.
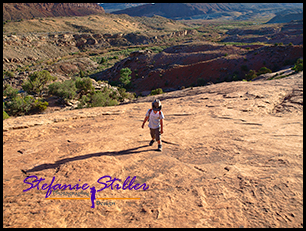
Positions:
{"x": 17, "y": 11}
{"x": 287, "y": 16}
{"x": 110, "y": 7}
{"x": 232, "y": 157}
{"x": 173, "y": 10}
{"x": 185, "y": 10}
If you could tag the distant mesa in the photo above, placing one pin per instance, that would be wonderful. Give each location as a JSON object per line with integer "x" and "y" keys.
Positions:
{"x": 18, "y": 11}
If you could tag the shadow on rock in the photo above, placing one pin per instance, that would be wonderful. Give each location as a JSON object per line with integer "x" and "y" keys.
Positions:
{"x": 87, "y": 156}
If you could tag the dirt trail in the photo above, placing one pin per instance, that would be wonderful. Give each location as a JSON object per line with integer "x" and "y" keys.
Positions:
{"x": 232, "y": 157}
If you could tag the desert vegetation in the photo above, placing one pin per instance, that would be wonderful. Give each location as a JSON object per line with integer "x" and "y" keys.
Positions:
{"x": 32, "y": 98}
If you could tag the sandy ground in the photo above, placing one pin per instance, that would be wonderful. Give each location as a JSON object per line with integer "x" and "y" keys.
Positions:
{"x": 232, "y": 157}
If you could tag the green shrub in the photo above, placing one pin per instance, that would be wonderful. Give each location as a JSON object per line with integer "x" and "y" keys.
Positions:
{"x": 84, "y": 85}
{"x": 251, "y": 75}
{"x": 263, "y": 70}
{"x": 103, "y": 60}
{"x": 82, "y": 74}
{"x": 100, "y": 99}
{"x": 66, "y": 90}
{"x": 157, "y": 91}
{"x": 9, "y": 74}
{"x": 40, "y": 105}
{"x": 124, "y": 94}
{"x": 9, "y": 91}
{"x": 125, "y": 77}
{"x": 20, "y": 105}
{"x": 83, "y": 101}
{"x": 201, "y": 82}
{"x": 5, "y": 115}
{"x": 235, "y": 77}
{"x": 37, "y": 82}
{"x": 298, "y": 66}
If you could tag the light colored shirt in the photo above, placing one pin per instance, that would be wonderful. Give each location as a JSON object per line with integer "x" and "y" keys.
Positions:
{"x": 154, "y": 119}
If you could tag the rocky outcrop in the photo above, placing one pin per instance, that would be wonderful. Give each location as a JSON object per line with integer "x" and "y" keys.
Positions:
{"x": 17, "y": 11}
{"x": 184, "y": 65}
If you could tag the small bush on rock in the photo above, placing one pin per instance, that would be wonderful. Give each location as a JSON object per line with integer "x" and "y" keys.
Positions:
{"x": 157, "y": 91}
{"x": 298, "y": 66}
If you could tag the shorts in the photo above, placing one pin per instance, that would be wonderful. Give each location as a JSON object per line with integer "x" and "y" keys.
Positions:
{"x": 155, "y": 133}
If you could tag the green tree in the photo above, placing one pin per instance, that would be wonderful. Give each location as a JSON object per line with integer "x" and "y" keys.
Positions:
{"x": 125, "y": 77}
{"x": 37, "y": 82}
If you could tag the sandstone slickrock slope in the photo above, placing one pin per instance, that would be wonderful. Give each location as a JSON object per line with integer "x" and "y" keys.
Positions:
{"x": 232, "y": 157}
{"x": 17, "y": 11}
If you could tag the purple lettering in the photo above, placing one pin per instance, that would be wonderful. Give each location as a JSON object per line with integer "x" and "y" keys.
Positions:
{"x": 29, "y": 182}
{"x": 66, "y": 186}
{"x": 43, "y": 186}
{"x": 113, "y": 182}
{"x": 144, "y": 186}
{"x": 34, "y": 181}
{"x": 38, "y": 182}
{"x": 77, "y": 186}
{"x": 130, "y": 184}
{"x": 85, "y": 186}
{"x": 57, "y": 186}
{"x": 117, "y": 186}
{"x": 105, "y": 185}
{"x": 135, "y": 186}
{"x": 50, "y": 188}
{"x": 106, "y": 181}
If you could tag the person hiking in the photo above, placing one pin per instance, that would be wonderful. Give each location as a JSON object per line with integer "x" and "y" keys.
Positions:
{"x": 155, "y": 117}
